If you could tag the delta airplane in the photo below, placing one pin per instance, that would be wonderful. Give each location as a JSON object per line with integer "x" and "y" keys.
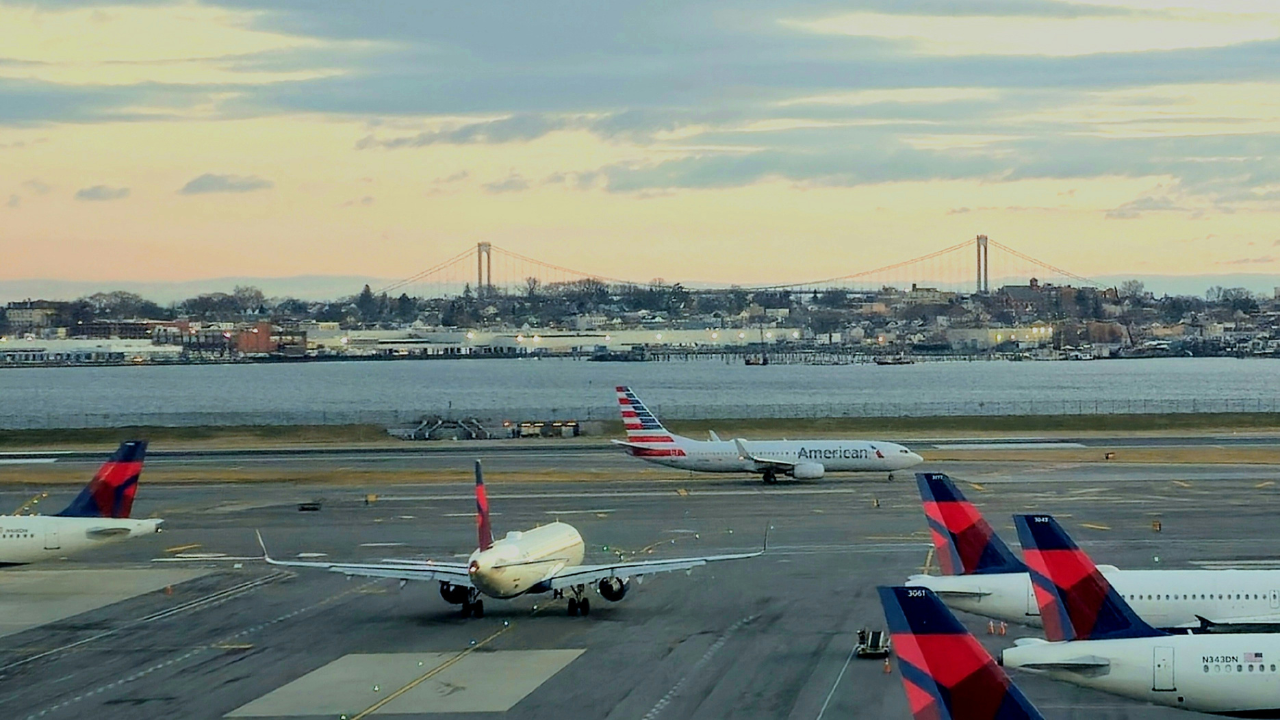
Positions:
{"x": 546, "y": 559}
{"x": 648, "y": 440}
{"x": 1095, "y": 640}
{"x": 982, "y": 576}
{"x": 99, "y": 515}
{"x": 946, "y": 673}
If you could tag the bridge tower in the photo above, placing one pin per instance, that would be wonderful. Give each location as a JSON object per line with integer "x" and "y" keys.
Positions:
{"x": 484, "y": 268}
{"x": 984, "y": 266}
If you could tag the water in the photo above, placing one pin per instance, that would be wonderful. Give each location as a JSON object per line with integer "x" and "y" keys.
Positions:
{"x": 398, "y": 392}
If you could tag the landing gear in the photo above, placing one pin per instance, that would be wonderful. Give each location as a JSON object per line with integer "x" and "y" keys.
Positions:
{"x": 579, "y": 605}
{"x": 473, "y": 606}
{"x": 770, "y": 476}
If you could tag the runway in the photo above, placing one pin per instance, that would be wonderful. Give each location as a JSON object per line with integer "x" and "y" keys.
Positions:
{"x": 762, "y": 638}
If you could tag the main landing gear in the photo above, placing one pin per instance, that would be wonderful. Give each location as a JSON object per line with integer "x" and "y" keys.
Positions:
{"x": 578, "y": 604}
{"x": 770, "y": 477}
{"x": 473, "y": 606}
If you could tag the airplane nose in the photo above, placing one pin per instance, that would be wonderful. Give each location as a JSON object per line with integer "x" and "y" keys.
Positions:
{"x": 915, "y": 459}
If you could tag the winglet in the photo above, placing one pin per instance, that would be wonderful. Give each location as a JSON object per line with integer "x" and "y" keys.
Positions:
{"x": 743, "y": 453}
{"x": 767, "y": 527}
{"x": 1076, "y": 600}
{"x": 714, "y": 436}
{"x": 484, "y": 530}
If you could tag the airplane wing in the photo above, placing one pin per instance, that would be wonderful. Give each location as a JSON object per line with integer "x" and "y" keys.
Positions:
{"x": 454, "y": 573}
{"x": 101, "y": 533}
{"x": 1086, "y": 664}
{"x": 744, "y": 454}
{"x": 569, "y": 576}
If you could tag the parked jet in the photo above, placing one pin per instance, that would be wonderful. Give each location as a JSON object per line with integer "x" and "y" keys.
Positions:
{"x": 99, "y": 515}
{"x": 982, "y": 576}
{"x": 1096, "y": 640}
{"x": 945, "y": 672}
{"x": 801, "y": 459}
{"x": 546, "y": 559}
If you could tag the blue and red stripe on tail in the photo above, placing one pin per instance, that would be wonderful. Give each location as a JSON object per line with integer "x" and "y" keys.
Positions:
{"x": 110, "y": 493}
{"x": 946, "y": 673}
{"x": 484, "y": 530}
{"x": 963, "y": 541}
{"x": 646, "y": 437}
{"x": 1076, "y": 601}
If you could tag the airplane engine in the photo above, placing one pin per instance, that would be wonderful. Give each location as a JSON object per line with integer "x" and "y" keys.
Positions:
{"x": 613, "y": 589}
{"x": 454, "y": 594}
{"x": 808, "y": 471}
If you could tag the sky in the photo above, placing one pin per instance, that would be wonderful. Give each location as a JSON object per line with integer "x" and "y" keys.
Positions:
{"x": 745, "y": 142}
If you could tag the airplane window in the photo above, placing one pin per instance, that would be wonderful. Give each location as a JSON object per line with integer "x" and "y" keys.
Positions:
{"x": 1217, "y": 668}
{"x": 1206, "y": 668}
{"x": 1239, "y": 668}
{"x": 1226, "y": 668}
{"x": 1166, "y": 597}
{"x": 1250, "y": 667}
{"x": 1273, "y": 667}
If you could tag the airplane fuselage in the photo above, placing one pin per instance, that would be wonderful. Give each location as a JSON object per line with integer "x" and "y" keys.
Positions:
{"x": 32, "y": 538}
{"x": 521, "y": 561}
{"x": 1232, "y": 674}
{"x": 1163, "y": 598}
{"x": 828, "y": 455}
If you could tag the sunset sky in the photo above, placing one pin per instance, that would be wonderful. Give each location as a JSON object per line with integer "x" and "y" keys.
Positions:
{"x": 740, "y": 141}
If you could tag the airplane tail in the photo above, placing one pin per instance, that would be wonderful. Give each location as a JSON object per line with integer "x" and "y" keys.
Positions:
{"x": 646, "y": 437}
{"x": 963, "y": 540}
{"x": 1076, "y": 601}
{"x": 946, "y": 673}
{"x": 110, "y": 493}
{"x": 484, "y": 530}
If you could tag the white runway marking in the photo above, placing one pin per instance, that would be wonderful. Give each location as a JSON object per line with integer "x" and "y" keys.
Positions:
{"x": 1010, "y": 446}
{"x": 379, "y": 545}
{"x": 27, "y": 461}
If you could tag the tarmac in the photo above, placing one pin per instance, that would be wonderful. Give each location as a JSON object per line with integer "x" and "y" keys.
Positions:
{"x": 205, "y": 630}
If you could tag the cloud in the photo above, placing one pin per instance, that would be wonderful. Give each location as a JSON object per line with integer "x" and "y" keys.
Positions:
{"x": 516, "y": 128}
{"x": 366, "y": 201}
{"x": 1264, "y": 260}
{"x": 37, "y": 187}
{"x": 958, "y": 211}
{"x": 14, "y": 201}
{"x": 456, "y": 177}
{"x": 512, "y": 183}
{"x": 210, "y": 183}
{"x": 102, "y": 193}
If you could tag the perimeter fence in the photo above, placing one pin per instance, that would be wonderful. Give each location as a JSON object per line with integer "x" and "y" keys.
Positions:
{"x": 671, "y": 411}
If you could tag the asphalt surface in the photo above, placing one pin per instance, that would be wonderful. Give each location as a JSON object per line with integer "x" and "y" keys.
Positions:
{"x": 762, "y": 638}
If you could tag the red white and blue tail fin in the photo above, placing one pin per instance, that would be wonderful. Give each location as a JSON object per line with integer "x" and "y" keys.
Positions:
{"x": 484, "y": 530}
{"x": 1076, "y": 601}
{"x": 946, "y": 673}
{"x": 963, "y": 540}
{"x": 645, "y": 435}
{"x": 110, "y": 493}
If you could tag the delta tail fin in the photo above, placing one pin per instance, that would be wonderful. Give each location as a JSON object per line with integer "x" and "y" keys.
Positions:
{"x": 1076, "y": 601}
{"x": 484, "y": 530}
{"x": 646, "y": 437}
{"x": 964, "y": 542}
{"x": 946, "y": 673}
{"x": 110, "y": 493}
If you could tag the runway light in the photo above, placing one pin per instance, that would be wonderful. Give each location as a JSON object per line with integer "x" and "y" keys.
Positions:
{"x": 658, "y": 336}
{"x": 715, "y": 335}
{"x": 741, "y": 335}
{"x": 471, "y": 336}
{"x": 520, "y": 338}
{"x": 376, "y": 688}
{"x": 795, "y": 333}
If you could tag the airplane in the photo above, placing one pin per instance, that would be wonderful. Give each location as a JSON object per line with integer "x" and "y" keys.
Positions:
{"x": 648, "y": 440}
{"x": 97, "y": 516}
{"x": 982, "y": 576}
{"x": 1095, "y": 640}
{"x": 545, "y": 559}
{"x": 945, "y": 672}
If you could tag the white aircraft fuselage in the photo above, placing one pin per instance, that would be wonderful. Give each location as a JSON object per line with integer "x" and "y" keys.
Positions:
{"x": 816, "y": 456}
{"x": 517, "y": 563}
{"x": 1232, "y": 674}
{"x": 1163, "y": 598}
{"x": 32, "y": 538}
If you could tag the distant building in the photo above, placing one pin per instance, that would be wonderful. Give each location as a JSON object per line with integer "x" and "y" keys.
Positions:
{"x": 31, "y": 315}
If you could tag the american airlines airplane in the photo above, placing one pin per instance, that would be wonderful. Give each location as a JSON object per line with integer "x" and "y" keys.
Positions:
{"x": 801, "y": 459}
{"x": 1095, "y": 640}
{"x": 99, "y": 515}
{"x": 546, "y": 559}
{"x": 946, "y": 673}
{"x": 982, "y": 576}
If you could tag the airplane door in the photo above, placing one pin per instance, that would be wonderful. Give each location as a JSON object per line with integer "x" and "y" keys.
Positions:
{"x": 1162, "y": 667}
{"x": 1275, "y": 599}
{"x": 51, "y": 537}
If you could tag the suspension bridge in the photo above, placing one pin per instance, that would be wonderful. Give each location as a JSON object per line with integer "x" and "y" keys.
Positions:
{"x": 968, "y": 267}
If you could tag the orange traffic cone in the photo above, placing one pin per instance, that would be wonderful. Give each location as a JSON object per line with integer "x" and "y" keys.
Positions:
{"x": 991, "y": 627}
{"x": 887, "y": 667}
{"x": 1004, "y": 627}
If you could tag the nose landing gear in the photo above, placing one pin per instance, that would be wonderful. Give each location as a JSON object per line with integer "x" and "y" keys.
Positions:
{"x": 473, "y": 606}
